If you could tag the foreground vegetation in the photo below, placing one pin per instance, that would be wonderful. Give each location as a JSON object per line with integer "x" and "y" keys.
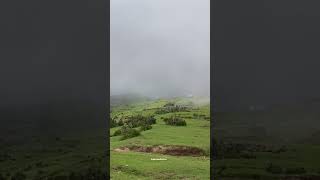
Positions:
{"x": 176, "y": 131}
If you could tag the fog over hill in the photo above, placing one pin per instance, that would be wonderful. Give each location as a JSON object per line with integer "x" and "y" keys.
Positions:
{"x": 160, "y": 47}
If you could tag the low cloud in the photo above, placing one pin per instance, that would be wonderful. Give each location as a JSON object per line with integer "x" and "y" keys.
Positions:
{"x": 160, "y": 47}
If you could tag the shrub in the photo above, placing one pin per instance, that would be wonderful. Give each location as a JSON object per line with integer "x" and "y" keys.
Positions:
{"x": 274, "y": 169}
{"x": 169, "y": 104}
{"x": 117, "y": 132}
{"x": 120, "y": 122}
{"x": 175, "y": 121}
{"x": 161, "y": 111}
{"x": 145, "y": 127}
{"x": 129, "y": 133}
{"x": 171, "y": 107}
{"x": 113, "y": 122}
{"x": 139, "y": 120}
{"x": 295, "y": 171}
{"x": 151, "y": 120}
{"x": 126, "y": 132}
{"x": 2, "y": 177}
{"x": 135, "y": 121}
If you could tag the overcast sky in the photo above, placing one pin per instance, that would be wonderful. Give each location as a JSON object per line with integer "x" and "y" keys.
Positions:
{"x": 160, "y": 47}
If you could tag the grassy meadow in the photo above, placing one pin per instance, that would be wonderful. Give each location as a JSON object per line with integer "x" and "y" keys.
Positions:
{"x": 179, "y": 163}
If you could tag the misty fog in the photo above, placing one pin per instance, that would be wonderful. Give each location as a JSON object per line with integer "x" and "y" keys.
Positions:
{"x": 160, "y": 47}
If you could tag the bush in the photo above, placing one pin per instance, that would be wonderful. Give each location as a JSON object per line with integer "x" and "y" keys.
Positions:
{"x": 2, "y": 177}
{"x": 175, "y": 121}
{"x": 120, "y": 122}
{"x": 295, "y": 171}
{"x": 113, "y": 122}
{"x": 126, "y": 132}
{"x": 169, "y": 104}
{"x": 274, "y": 169}
{"x": 139, "y": 120}
{"x": 170, "y": 107}
{"x": 145, "y": 127}
{"x": 135, "y": 121}
{"x": 129, "y": 133}
{"x": 117, "y": 132}
{"x": 151, "y": 120}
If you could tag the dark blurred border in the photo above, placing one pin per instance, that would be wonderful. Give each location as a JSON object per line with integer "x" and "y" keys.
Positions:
{"x": 54, "y": 67}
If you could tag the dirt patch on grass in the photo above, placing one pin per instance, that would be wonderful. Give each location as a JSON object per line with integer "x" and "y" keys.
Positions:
{"x": 124, "y": 149}
{"x": 173, "y": 150}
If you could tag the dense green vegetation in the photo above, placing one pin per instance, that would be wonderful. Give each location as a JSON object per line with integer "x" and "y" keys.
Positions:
{"x": 175, "y": 121}
{"x": 185, "y": 148}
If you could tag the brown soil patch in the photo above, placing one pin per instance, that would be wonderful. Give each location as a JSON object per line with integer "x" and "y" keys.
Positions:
{"x": 173, "y": 150}
{"x": 122, "y": 149}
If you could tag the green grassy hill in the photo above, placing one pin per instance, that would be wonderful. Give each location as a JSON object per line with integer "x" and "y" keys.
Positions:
{"x": 132, "y": 164}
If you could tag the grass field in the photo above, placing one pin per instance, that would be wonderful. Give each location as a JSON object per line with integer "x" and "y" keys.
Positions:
{"x": 138, "y": 165}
